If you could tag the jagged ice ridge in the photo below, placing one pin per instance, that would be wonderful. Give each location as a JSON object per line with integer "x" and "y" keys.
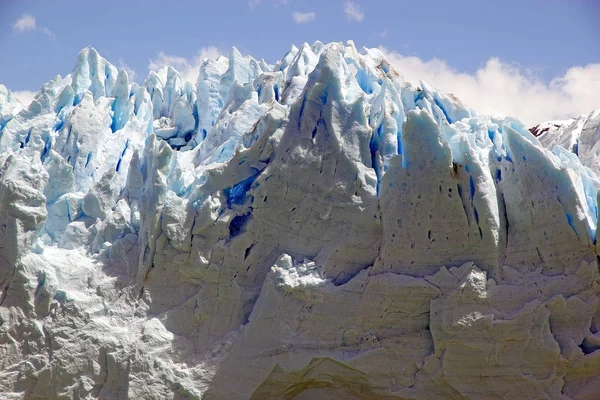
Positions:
{"x": 315, "y": 228}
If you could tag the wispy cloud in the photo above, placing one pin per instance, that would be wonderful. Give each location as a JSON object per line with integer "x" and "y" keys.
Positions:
{"x": 164, "y": 60}
{"x": 501, "y": 88}
{"x": 353, "y": 11}
{"x": 187, "y": 68}
{"x": 25, "y": 23}
{"x": 48, "y": 33}
{"x": 254, "y": 3}
{"x": 28, "y": 23}
{"x": 384, "y": 33}
{"x": 302, "y": 18}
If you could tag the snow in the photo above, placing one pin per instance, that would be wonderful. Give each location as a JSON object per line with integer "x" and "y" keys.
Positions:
{"x": 296, "y": 277}
{"x": 229, "y": 237}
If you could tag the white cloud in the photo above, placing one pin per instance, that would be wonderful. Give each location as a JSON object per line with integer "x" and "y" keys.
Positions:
{"x": 255, "y": 3}
{"x": 48, "y": 33}
{"x": 24, "y": 96}
{"x": 210, "y": 52}
{"x": 500, "y": 88}
{"x": 384, "y": 33}
{"x": 302, "y": 18}
{"x": 353, "y": 11}
{"x": 166, "y": 60}
{"x": 25, "y": 23}
{"x": 187, "y": 68}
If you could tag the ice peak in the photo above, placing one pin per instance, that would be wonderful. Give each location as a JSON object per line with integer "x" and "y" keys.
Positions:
{"x": 121, "y": 88}
{"x": 303, "y": 62}
{"x": 94, "y": 73}
{"x": 9, "y": 106}
{"x": 317, "y": 46}
{"x": 239, "y": 67}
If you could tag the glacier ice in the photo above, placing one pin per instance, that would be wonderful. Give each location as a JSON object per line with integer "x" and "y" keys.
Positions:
{"x": 314, "y": 228}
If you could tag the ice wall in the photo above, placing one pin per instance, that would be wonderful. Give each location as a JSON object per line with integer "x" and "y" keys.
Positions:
{"x": 315, "y": 228}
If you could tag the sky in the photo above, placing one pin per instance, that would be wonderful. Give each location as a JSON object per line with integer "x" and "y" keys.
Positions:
{"x": 533, "y": 59}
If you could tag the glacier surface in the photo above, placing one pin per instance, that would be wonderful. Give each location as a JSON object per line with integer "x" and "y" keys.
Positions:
{"x": 315, "y": 228}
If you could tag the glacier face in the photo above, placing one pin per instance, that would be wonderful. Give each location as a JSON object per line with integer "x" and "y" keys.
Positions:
{"x": 579, "y": 135}
{"x": 315, "y": 228}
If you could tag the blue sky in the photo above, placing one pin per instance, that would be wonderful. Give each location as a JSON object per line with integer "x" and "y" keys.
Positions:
{"x": 543, "y": 40}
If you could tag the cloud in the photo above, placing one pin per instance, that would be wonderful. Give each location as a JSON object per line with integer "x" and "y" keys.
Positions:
{"x": 253, "y": 3}
{"x": 384, "y": 33}
{"x": 24, "y": 96}
{"x": 187, "y": 68}
{"x": 210, "y": 53}
{"x": 302, "y": 18}
{"x": 25, "y": 23}
{"x": 504, "y": 89}
{"x": 353, "y": 11}
{"x": 48, "y": 33}
{"x": 166, "y": 60}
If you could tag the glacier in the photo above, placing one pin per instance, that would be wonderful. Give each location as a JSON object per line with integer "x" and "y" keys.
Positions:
{"x": 316, "y": 228}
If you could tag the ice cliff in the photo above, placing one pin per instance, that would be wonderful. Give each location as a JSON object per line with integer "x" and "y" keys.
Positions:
{"x": 313, "y": 229}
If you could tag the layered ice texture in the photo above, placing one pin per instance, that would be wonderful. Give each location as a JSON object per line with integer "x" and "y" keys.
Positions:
{"x": 315, "y": 228}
